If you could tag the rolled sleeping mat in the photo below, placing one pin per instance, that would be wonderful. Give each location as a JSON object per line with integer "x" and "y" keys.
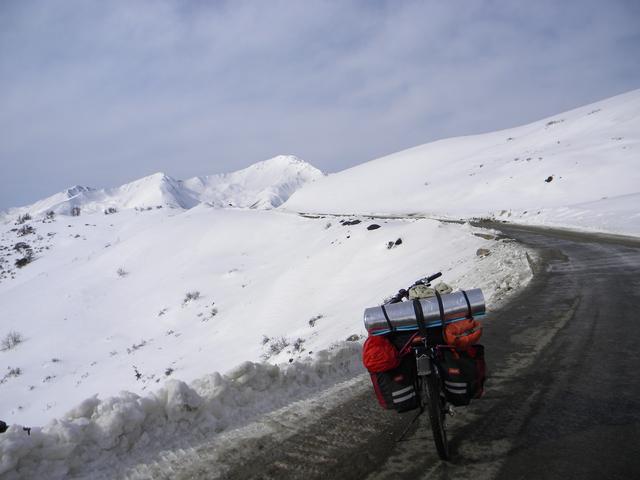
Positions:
{"x": 402, "y": 316}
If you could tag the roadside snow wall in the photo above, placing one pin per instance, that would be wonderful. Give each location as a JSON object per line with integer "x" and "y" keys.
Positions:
{"x": 114, "y": 433}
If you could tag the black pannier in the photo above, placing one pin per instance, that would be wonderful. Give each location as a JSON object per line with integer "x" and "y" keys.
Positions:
{"x": 396, "y": 389}
{"x": 463, "y": 373}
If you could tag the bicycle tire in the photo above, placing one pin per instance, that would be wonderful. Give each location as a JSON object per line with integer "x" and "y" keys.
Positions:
{"x": 435, "y": 406}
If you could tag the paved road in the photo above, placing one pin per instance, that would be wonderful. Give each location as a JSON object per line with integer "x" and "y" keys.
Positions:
{"x": 562, "y": 401}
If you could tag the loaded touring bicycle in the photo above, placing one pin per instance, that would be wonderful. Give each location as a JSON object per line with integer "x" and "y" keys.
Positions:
{"x": 422, "y": 353}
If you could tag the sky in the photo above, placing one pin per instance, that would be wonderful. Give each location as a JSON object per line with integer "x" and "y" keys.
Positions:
{"x": 100, "y": 93}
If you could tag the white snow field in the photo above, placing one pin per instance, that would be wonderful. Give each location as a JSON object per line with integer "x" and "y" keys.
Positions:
{"x": 579, "y": 169}
{"x": 131, "y": 300}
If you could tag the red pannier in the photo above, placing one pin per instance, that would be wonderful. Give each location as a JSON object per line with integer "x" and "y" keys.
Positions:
{"x": 393, "y": 376}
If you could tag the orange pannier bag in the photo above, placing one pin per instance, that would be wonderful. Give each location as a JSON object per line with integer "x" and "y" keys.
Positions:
{"x": 462, "y": 334}
{"x": 379, "y": 354}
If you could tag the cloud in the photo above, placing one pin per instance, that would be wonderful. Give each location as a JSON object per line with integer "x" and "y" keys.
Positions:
{"x": 100, "y": 93}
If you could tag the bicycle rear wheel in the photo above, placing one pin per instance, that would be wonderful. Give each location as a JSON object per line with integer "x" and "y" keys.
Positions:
{"x": 431, "y": 391}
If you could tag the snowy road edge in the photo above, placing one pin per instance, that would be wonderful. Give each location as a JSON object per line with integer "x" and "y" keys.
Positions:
{"x": 125, "y": 429}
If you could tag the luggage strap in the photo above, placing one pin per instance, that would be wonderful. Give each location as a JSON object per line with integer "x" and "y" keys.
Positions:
{"x": 466, "y": 299}
{"x": 441, "y": 308}
{"x": 386, "y": 317}
{"x": 417, "y": 308}
{"x": 408, "y": 346}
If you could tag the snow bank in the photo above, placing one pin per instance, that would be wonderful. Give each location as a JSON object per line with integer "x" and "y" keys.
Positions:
{"x": 619, "y": 215}
{"x": 99, "y": 434}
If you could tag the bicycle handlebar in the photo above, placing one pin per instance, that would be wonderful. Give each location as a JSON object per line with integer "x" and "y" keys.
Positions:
{"x": 433, "y": 277}
{"x": 402, "y": 293}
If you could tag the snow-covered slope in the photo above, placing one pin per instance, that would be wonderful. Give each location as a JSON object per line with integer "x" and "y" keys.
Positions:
{"x": 117, "y": 312}
{"x": 573, "y": 169}
{"x": 262, "y": 185}
{"x": 170, "y": 293}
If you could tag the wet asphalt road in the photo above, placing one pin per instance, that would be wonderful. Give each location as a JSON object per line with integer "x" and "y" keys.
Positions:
{"x": 562, "y": 400}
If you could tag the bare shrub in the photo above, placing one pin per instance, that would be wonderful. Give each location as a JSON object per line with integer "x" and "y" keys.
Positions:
{"x": 24, "y": 261}
{"x": 11, "y": 340}
{"x": 190, "y": 297}
{"x": 122, "y": 272}
{"x": 11, "y": 372}
{"x": 23, "y": 218}
{"x": 278, "y": 345}
{"x": 273, "y": 346}
{"x": 20, "y": 246}
{"x": 314, "y": 319}
{"x": 75, "y": 212}
{"x": 110, "y": 211}
{"x": 297, "y": 345}
{"x": 50, "y": 215}
{"x": 25, "y": 230}
{"x": 27, "y": 254}
{"x": 136, "y": 346}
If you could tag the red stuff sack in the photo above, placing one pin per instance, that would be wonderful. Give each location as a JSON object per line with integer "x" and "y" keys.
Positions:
{"x": 392, "y": 376}
{"x": 379, "y": 354}
{"x": 462, "y": 334}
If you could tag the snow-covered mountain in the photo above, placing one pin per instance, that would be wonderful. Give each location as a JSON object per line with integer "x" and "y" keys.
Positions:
{"x": 263, "y": 185}
{"x": 580, "y": 168}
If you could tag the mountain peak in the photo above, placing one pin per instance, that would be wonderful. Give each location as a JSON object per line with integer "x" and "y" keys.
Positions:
{"x": 284, "y": 160}
{"x": 262, "y": 185}
{"x": 281, "y": 162}
{"x": 157, "y": 177}
{"x": 77, "y": 190}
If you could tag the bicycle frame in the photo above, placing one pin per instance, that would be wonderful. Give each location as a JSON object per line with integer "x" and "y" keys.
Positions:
{"x": 424, "y": 360}
{"x": 430, "y": 390}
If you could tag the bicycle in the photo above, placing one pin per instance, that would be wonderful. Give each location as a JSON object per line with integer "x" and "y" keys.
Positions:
{"x": 429, "y": 389}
